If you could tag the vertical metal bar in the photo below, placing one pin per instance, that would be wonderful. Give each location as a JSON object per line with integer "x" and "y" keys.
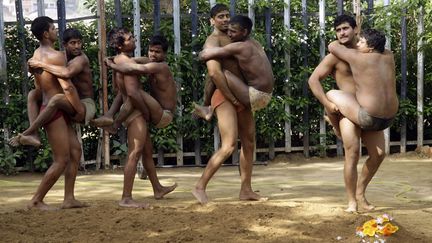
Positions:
{"x": 251, "y": 11}
{"x": 388, "y": 46}
{"x": 137, "y": 27}
{"x": 156, "y": 16}
{"x": 420, "y": 76}
{"x": 403, "y": 92}
{"x": 268, "y": 31}
{"x": 322, "y": 137}
{"x": 287, "y": 24}
{"x": 118, "y": 13}
{"x": 177, "y": 49}
{"x": 305, "y": 84}
{"x": 41, "y": 7}
{"x": 340, "y": 7}
{"x": 3, "y": 76}
{"x": 23, "y": 45}
{"x": 103, "y": 76}
{"x": 194, "y": 21}
{"x": 232, "y": 7}
{"x": 212, "y": 3}
{"x": 61, "y": 16}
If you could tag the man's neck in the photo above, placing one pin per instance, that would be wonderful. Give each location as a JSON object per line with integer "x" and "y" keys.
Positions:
{"x": 352, "y": 44}
{"x": 46, "y": 43}
{"x": 219, "y": 32}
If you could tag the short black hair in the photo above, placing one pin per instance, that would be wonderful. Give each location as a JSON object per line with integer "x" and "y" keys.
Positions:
{"x": 71, "y": 33}
{"x": 116, "y": 37}
{"x": 217, "y": 8}
{"x": 159, "y": 40}
{"x": 344, "y": 18}
{"x": 374, "y": 39}
{"x": 244, "y": 21}
{"x": 40, "y": 25}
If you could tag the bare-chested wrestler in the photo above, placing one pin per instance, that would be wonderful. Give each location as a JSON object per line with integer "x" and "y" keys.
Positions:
{"x": 233, "y": 120}
{"x": 124, "y": 43}
{"x": 78, "y": 70}
{"x": 161, "y": 102}
{"x": 252, "y": 61}
{"x": 346, "y": 33}
{"x": 66, "y": 150}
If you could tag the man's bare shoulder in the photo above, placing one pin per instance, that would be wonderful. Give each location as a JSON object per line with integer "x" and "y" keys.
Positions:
{"x": 80, "y": 60}
{"x": 212, "y": 40}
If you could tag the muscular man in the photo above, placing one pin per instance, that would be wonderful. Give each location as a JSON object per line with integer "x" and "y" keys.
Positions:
{"x": 65, "y": 147}
{"x": 253, "y": 63}
{"x": 346, "y": 33}
{"x": 137, "y": 131}
{"x": 233, "y": 120}
{"x": 161, "y": 102}
{"x": 78, "y": 70}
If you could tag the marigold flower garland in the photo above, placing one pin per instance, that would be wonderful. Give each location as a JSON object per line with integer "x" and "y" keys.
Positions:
{"x": 377, "y": 228}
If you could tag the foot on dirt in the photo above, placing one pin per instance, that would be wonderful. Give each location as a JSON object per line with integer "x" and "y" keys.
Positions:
{"x": 130, "y": 203}
{"x": 102, "y": 121}
{"x": 365, "y": 204}
{"x": 73, "y": 204}
{"x": 200, "y": 195}
{"x": 21, "y": 139}
{"x": 251, "y": 196}
{"x": 352, "y": 207}
{"x": 41, "y": 206}
{"x": 164, "y": 190}
{"x": 205, "y": 112}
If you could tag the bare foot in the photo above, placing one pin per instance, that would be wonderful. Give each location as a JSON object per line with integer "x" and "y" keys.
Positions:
{"x": 41, "y": 206}
{"x": 21, "y": 139}
{"x": 352, "y": 207}
{"x": 200, "y": 195}
{"x": 164, "y": 190}
{"x": 73, "y": 204}
{"x": 102, "y": 121}
{"x": 251, "y": 196}
{"x": 130, "y": 203}
{"x": 205, "y": 112}
{"x": 365, "y": 204}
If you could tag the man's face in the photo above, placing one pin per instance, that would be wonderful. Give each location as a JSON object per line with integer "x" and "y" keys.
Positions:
{"x": 156, "y": 53}
{"x": 220, "y": 21}
{"x": 129, "y": 43}
{"x": 345, "y": 33}
{"x": 73, "y": 47}
{"x": 236, "y": 33}
{"x": 52, "y": 33}
{"x": 362, "y": 45}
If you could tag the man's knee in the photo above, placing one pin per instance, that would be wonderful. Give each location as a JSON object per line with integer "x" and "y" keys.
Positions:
{"x": 55, "y": 100}
{"x": 227, "y": 150}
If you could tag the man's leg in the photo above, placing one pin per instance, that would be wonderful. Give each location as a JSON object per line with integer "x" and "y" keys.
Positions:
{"x": 227, "y": 123}
{"x": 34, "y": 97}
{"x": 246, "y": 127}
{"x": 71, "y": 172}
{"x": 347, "y": 104}
{"x": 374, "y": 141}
{"x": 205, "y": 111}
{"x": 58, "y": 139}
{"x": 159, "y": 191}
{"x": 137, "y": 133}
{"x": 351, "y": 140}
{"x": 108, "y": 118}
{"x": 238, "y": 87}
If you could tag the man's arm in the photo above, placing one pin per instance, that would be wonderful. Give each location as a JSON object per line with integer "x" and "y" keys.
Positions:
{"x": 141, "y": 60}
{"x": 73, "y": 68}
{"x": 342, "y": 52}
{"x": 135, "y": 68}
{"x": 231, "y": 49}
{"x": 324, "y": 69}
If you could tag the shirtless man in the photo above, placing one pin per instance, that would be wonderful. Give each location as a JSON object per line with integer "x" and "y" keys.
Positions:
{"x": 346, "y": 32}
{"x": 161, "y": 103}
{"x": 233, "y": 120}
{"x": 66, "y": 150}
{"x": 124, "y": 44}
{"x": 253, "y": 63}
{"x": 77, "y": 69}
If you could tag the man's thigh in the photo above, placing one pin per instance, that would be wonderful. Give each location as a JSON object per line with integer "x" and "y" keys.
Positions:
{"x": 137, "y": 133}
{"x": 246, "y": 127}
{"x": 346, "y": 103}
{"x": 374, "y": 142}
{"x": 58, "y": 138}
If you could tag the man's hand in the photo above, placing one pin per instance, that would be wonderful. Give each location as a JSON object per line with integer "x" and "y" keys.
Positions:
{"x": 109, "y": 61}
{"x": 332, "y": 108}
{"x": 202, "y": 55}
{"x": 34, "y": 64}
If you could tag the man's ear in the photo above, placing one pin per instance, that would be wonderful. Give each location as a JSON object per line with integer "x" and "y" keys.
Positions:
{"x": 45, "y": 35}
{"x": 212, "y": 22}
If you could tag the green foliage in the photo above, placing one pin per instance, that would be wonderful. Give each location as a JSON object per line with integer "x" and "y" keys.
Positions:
{"x": 8, "y": 160}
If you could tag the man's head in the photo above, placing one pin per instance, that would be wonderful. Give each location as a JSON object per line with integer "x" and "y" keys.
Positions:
{"x": 239, "y": 28}
{"x": 371, "y": 40}
{"x": 346, "y": 29}
{"x": 220, "y": 16}
{"x": 158, "y": 47}
{"x": 43, "y": 27}
{"x": 72, "y": 42}
{"x": 121, "y": 40}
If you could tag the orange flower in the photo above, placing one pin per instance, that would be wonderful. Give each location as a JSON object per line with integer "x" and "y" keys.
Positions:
{"x": 388, "y": 229}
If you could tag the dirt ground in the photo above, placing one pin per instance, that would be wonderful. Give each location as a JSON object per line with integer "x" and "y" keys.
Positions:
{"x": 306, "y": 204}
